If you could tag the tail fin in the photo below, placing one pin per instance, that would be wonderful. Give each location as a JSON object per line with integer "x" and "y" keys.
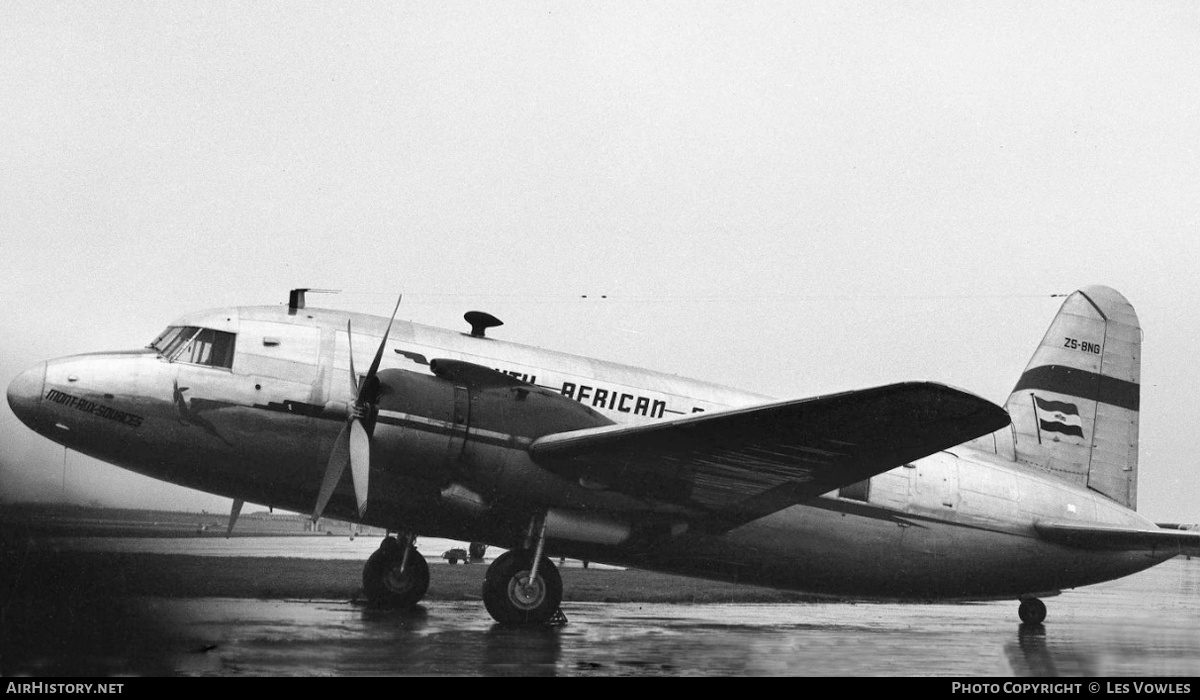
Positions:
{"x": 1075, "y": 409}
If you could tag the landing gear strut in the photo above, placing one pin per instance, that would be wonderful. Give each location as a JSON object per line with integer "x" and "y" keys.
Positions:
{"x": 396, "y": 575}
{"x": 1032, "y": 611}
{"x": 522, "y": 586}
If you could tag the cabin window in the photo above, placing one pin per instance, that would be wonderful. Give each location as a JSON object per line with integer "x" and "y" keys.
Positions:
{"x": 196, "y": 346}
{"x": 859, "y": 491}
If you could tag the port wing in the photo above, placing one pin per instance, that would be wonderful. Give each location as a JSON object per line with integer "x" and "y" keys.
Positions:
{"x": 742, "y": 464}
{"x": 1096, "y": 536}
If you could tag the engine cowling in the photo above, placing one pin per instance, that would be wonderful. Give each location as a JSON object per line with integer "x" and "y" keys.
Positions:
{"x": 429, "y": 423}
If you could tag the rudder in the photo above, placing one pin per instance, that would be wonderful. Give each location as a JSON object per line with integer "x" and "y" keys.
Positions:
{"x": 1075, "y": 409}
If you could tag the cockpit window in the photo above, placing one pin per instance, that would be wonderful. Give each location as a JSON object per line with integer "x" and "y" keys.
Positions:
{"x": 197, "y": 346}
{"x": 169, "y": 340}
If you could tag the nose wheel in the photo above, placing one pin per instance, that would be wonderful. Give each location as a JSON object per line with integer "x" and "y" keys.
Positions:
{"x": 396, "y": 575}
{"x": 512, "y": 596}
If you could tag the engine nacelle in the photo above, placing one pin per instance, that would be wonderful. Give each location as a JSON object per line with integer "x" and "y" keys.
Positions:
{"x": 458, "y": 424}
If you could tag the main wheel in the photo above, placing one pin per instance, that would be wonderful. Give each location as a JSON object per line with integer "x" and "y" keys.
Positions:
{"x": 509, "y": 595}
{"x": 1032, "y": 611}
{"x": 387, "y": 585}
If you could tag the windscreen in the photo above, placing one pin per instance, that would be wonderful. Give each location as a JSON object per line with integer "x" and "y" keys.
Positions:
{"x": 169, "y": 340}
{"x": 195, "y": 345}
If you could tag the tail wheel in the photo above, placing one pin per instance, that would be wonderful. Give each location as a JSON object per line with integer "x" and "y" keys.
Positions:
{"x": 511, "y": 597}
{"x": 1032, "y": 611}
{"x": 389, "y": 584}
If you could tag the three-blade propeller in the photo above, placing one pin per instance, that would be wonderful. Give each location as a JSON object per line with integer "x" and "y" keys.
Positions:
{"x": 353, "y": 444}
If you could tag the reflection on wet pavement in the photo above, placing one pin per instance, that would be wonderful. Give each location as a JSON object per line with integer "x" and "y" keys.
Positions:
{"x": 1148, "y": 624}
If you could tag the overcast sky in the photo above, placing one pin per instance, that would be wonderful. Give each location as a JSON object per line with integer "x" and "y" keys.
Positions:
{"x": 791, "y": 197}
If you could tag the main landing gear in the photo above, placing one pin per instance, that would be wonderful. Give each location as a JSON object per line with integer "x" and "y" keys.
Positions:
{"x": 396, "y": 575}
{"x": 522, "y": 586}
{"x": 515, "y": 591}
{"x": 1032, "y": 611}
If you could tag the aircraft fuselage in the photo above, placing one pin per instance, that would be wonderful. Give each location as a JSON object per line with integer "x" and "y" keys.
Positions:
{"x": 256, "y": 416}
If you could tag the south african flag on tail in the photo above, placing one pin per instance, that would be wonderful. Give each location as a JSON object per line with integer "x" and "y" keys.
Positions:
{"x": 1059, "y": 417}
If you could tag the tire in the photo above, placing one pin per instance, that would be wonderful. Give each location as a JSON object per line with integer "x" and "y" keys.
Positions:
{"x": 1032, "y": 611}
{"x": 508, "y": 602}
{"x": 387, "y": 586}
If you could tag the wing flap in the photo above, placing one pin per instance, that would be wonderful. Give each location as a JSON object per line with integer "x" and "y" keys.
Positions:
{"x": 745, "y": 463}
{"x": 1111, "y": 537}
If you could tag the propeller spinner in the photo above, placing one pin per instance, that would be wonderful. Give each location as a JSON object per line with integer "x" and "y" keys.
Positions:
{"x": 353, "y": 444}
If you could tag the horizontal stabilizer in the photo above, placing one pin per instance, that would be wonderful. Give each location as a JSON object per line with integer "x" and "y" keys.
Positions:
{"x": 745, "y": 463}
{"x": 1109, "y": 537}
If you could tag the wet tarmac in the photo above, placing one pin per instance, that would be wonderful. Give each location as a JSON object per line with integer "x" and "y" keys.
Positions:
{"x": 298, "y": 547}
{"x": 303, "y": 547}
{"x": 1145, "y": 625}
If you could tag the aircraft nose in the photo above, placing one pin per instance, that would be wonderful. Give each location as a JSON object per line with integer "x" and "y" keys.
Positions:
{"x": 25, "y": 392}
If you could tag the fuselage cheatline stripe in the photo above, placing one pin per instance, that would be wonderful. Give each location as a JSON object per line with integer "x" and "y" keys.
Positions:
{"x": 1083, "y": 384}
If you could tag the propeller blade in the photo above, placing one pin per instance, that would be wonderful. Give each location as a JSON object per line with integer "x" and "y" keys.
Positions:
{"x": 382, "y": 343}
{"x": 360, "y": 462}
{"x": 233, "y": 515}
{"x": 358, "y": 436}
{"x": 338, "y": 459}
{"x": 354, "y": 386}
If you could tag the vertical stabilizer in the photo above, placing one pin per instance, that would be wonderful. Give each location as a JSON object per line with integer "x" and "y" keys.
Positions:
{"x": 1075, "y": 409}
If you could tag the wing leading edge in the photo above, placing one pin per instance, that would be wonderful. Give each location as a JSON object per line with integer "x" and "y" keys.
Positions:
{"x": 742, "y": 464}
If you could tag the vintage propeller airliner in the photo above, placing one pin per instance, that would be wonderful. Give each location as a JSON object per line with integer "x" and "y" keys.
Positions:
{"x": 907, "y": 491}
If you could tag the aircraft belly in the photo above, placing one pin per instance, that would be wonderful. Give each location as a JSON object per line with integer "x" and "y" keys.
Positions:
{"x": 827, "y": 552}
